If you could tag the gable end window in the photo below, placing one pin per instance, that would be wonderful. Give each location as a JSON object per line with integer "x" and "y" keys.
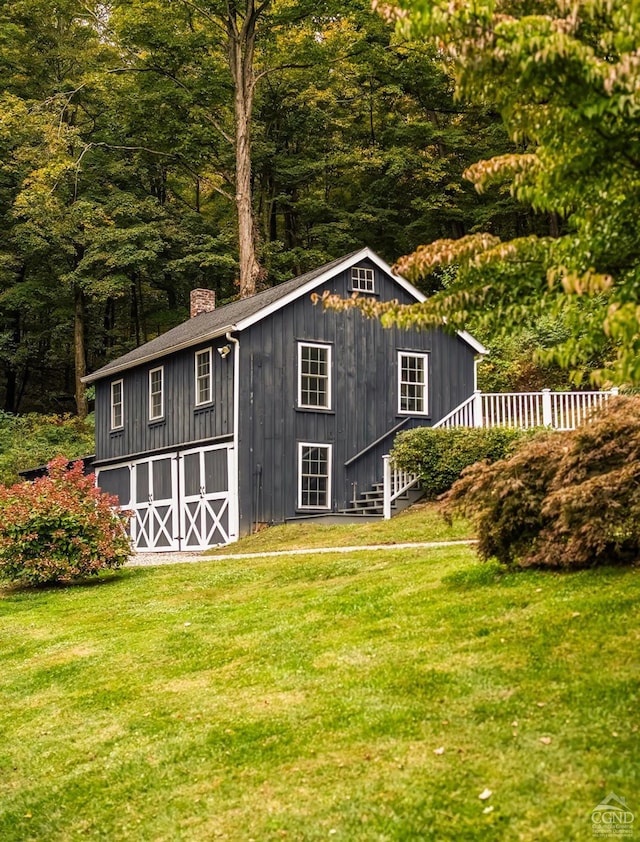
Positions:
{"x": 314, "y": 376}
{"x": 314, "y": 476}
{"x": 156, "y": 394}
{"x": 117, "y": 407}
{"x": 362, "y": 279}
{"x": 413, "y": 372}
{"x": 203, "y": 377}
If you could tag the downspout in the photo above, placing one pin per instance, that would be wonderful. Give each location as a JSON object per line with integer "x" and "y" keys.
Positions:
{"x": 236, "y": 427}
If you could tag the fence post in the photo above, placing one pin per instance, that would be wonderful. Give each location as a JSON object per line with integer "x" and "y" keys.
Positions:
{"x": 547, "y": 417}
{"x": 477, "y": 409}
{"x": 386, "y": 487}
{"x": 614, "y": 390}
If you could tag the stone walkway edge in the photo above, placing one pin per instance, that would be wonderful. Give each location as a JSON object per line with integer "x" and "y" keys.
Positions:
{"x": 154, "y": 559}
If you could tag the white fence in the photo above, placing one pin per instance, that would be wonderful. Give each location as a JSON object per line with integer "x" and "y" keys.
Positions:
{"x": 557, "y": 410}
{"x": 524, "y": 410}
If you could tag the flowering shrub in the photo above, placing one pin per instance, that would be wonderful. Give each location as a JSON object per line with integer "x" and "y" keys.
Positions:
{"x": 59, "y": 527}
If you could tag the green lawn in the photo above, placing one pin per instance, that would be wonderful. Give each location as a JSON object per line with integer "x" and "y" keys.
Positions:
{"x": 309, "y": 698}
{"x": 422, "y": 522}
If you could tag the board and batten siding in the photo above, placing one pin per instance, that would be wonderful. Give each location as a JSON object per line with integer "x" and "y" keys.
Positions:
{"x": 183, "y": 423}
{"x": 364, "y": 396}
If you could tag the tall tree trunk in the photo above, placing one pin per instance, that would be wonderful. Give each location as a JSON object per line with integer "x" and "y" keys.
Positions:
{"x": 241, "y": 56}
{"x": 135, "y": 311}
{"x": 11, "y": 370}
{"x": 79, "y": 352}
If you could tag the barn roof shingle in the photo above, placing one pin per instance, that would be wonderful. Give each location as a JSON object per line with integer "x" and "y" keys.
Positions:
{"x": 216, "y": 323}
{"x": 241, "y": 313}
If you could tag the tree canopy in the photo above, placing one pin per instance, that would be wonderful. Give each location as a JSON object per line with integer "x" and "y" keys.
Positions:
{"x": 119, "y": 143}
{"x": 565, "y": 79}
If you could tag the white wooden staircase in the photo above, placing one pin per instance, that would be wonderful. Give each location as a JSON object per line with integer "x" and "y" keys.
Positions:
{"x": 522, "y": 410}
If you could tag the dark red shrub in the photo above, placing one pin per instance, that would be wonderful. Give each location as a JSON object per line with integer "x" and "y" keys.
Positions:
{"x": 563, "y": 500}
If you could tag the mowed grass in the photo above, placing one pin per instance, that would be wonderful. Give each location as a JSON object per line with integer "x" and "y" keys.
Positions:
{"x": 369, "y": 696}
{"x": 422, "y": 522}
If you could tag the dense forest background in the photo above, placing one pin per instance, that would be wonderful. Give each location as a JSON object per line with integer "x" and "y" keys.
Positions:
{"x": 126, "y": 130}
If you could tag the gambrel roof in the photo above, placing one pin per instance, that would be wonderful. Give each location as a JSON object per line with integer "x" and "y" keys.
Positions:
{"x": 240, "y": 314}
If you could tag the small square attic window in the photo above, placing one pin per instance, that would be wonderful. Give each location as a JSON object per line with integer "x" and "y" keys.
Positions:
{"x": 362, "y": 279}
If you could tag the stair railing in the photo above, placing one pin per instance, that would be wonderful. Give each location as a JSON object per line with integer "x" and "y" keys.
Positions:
{"x": 395, "y": 482}
{"x": 556, "y": 410}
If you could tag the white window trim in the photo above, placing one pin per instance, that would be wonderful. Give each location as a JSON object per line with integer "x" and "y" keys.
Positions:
{"x": 329, "y": 449}
{"x": 152, "y": 371}
{"x": 329, "y": 404}
{"x": 425, "y": 387}
{"x": 119, "y": 426}
{"x": 355, "y": 279}
{"x": 195, "y": 365}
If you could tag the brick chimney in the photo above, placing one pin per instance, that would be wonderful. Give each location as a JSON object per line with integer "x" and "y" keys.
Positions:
{"x": 202, "y": 301}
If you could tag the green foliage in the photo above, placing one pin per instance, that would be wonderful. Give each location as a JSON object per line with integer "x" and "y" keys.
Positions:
{"x": 439, "y": 456}
{"x": 117, "y": 177}
{"x": 59, "y": 528}
{"x": 522, "y": 361}
{"x": 562, "y": 500}
{"x": 27, "y": 441}
{"x": 565, "y": 79}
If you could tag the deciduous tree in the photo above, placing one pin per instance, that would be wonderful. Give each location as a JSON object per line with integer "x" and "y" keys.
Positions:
{"x": 565, "y": 78}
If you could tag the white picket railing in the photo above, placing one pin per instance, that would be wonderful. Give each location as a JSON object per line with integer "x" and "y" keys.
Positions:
{"x": 524, "y": 410}
{"x": 557, "y": 410}
{"x": 462, "y": 416}
{"x": 395, "y": 482}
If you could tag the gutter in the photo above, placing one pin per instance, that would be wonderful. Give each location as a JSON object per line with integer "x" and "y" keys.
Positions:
{"x": 236, "y": 428}
{"x": 116, "y": 369}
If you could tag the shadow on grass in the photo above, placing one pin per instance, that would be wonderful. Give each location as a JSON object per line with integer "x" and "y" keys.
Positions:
{"x": 481, "y": 574}
{"x": 102, "y": 579}
{"x": 484, "y": 574}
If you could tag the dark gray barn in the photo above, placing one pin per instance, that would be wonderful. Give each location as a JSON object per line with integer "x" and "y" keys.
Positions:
{"x": 269, "y": 409}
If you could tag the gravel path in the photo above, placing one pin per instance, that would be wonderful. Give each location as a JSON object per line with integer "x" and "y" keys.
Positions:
{"x": 153, "y": 559}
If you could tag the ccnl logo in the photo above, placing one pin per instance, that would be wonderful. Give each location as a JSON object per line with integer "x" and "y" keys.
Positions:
{"x": 612, "y": 817}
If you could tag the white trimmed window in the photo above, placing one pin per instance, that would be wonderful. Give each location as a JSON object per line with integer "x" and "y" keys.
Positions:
{"x": 413, "y": 373}
{"x": 203, "y": 377}
{"x": 362, "y": 279}
{"x": 156, "y": 393}
{"x": 314, "y": 376}
{"x": 314, "y": 476}
{"x": 117, "y": 407}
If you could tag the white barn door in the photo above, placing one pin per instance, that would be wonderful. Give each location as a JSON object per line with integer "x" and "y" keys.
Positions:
{"x": 154, "y": 526}
{"x": 207, "y": 513}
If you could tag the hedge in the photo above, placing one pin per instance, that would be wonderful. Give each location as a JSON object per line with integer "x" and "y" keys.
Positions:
{"x": 440, "y": 455}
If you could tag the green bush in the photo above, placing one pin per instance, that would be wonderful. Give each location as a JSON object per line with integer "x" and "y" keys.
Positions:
{"x": 27, "y": 441}
{"x": 59, "y": 528}
{"x": 440, "y": 455}
{"x": 562, "y": 500}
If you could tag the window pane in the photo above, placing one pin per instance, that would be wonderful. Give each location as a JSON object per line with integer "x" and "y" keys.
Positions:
{"x": 116, "y": 404}
{"x": 203, "y": 377}
{"x": 203, "y": 365}
{"x": 362, "y": 279}
{"x": 314, "y": 476}
{"x": 156, "y": 406}
{"x": 314, "y": 376}
{"x": 155, "y": 381}
{"x": 412, "y": 383}
{"x": 204, "y": 393}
